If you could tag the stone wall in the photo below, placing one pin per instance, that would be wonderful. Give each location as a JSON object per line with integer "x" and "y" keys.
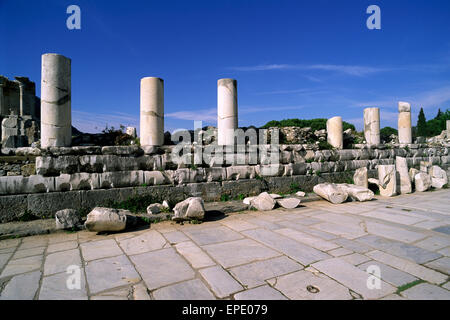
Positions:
{"x": 82, "y": 177}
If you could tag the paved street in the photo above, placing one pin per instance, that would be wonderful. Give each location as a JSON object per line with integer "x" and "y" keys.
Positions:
{"x": 317, "y": 251}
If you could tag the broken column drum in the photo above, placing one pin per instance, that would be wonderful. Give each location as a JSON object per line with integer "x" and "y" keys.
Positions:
{"x": 372, "y": 126}
{"x": 227, "y": 114}
{"x": 335, "y": 135}
{"x": 404, "y": 123}
{"x": 56, "y": 119}
{"x": 152, "y": 112}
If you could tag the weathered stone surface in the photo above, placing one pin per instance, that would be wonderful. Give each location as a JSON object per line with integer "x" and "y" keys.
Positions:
{"x": 334, "y": 132}
{"x": 263, "y": 202}
{"x": 387, "y": 180}
{"x": 67, "y": 219}
{"x": 425, "y": 166}
{"x": 356, "y": 193}
{"x": 372, "y": 126}
{"x": 22, "y": 287}
{"x": 438, "y": 177}
{"x": 106, "y": 219}
{"x": 412, "y": 174}
{"x": 288, "y": 203}
{"x": 248, "y": 200}
{"x": 300, "y": 194}
{"x": 221, "y": 283}
{"x": 404, "y": 180}
{"x": 154, "y": 208}
{"x": 426, "y": 291}
{"x": 422, "y": 181}
{"x": 227, "y": 111}
{"x": 330, "y": 192}
{"x": 188, "y": 290}
{"x": 404, "y": 123}
{"x": 360, "y": 178}
{"x": 191, "y": 208}
{"x": 261, "y": 293}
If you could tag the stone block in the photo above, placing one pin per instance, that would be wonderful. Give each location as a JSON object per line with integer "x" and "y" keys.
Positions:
{"x": 120, "y": 179}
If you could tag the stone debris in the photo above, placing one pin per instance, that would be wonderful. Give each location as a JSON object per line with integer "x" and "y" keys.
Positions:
{"x": 165, "y": 204}
{"x": 154, "y": 208}
{"x": 263, "y": 202}
{"x": 331, "y": 192}
{"x": 191, "y": 208}
{"x": 300, "y": 194}
{"x": 248, "y": 200}
{"x": 422, "y": 181}
{"x": 275, "y": 196}
{"x": 356, "y": 193}
{"x": 67, "y": 219}
{"x": 412, "y": 174}
{"x": 288, "y": 203}
{"x": 404, "y": 179}
{"x": 360, "y": 178}
{"x": 387, "y": 180}
{"x": 106, "y": 219}
{"x": 438, "y": 177}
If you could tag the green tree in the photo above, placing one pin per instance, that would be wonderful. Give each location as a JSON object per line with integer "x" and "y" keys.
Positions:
{"x": 386, "y": 132}
{"x": 439, "y": 114}
{"x": 422, "y": 124}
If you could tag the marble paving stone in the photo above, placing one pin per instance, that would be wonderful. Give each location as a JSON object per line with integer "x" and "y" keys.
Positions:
{"x": 307, "y": 239}
{"x": 295, "y": 250}
{"x": 9, "y": 243}
{"x": 426, "y": 291}
{"x": 340, "y": 252}
{"x": 264, "y": 224}
{"x": 33, "y": 242}
{"x": 340, "y": 219}
{"x": 175, "y": 237}
{"x": 446, "y": 286}
{"x": 192, "y": 253}
{"x": 393, "y": 297}
{"x": 162, "y": 267}
{"x": 187, "y": 290}
{"x": 62, "y": 246}
{"x": 28, "y": 253}
{"x": 316, "y": 233}
{"x": 238, "y": 224}
{"x": 352, "y": 277}
{"x": 56, "y": 287}
{"x": 408, "y": 267}
{"x": 249, "y": 251}
{"x": 221, "y": 283}
{"x": 59, "y": 261}
{"x": 348, "y": 232}
{"x": 7, "y": 250}
{"x": 62, "y": 237}
{"x": 295, "y": 287}
{"x": 443, "y": 229}
{"x": 352, "y": 245}
{"x": 100, "y": 249}
{"x": 22, "y": 265}
{"x": 431, "y": 224}
{"x": 22, "y": 287}
{"x": 389, "y": 274}
{"x": 433, "y": 243}
{"x": 115, "y": 294}
{"x": 393, "y": 216}
{"x": 400, "y": 249}
{"x": 212, "y": 235}
{"x": 149, "y": 241}
{"x": 110, "y": 273}
{"x": 4, "y": 257}
{"x": 355, "y": 258}
{"x": 393, "y": 233}
{"x": 442, "y": 265}
{"x": 255, "y": 274}
{"x": 140, "y": 292}
{"x": 260, "y": 293}
{"x": 445, "y": 252}
{"x": 108, "y": 298}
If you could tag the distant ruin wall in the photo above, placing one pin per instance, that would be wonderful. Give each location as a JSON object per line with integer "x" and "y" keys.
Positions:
{"x": 83, "y": 177}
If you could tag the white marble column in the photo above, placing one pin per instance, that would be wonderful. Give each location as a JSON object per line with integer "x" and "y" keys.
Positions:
{"x": 335, "y": 135}
{"x": 56, "y": 118}
{"x": 372, "y": 126}
{"x": 152, "y": 112}
{"x": 227, "y": 113}
{"x": 404, "y": 123}
{"x": 448, "y": 129}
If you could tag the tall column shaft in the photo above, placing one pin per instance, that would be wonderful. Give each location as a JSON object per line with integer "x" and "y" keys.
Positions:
{"x": 448, "y": 129}
{"x": 404, "y": 123}
{"x": 372, "y": 126}
{"x": 227, "y": 113}
{"x": 335, "y": 135}
{"x": 56, "y": 118}
{"x": 152, "y": 112}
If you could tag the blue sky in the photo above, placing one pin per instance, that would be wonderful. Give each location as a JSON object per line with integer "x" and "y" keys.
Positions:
{"x": 292, "y": 59}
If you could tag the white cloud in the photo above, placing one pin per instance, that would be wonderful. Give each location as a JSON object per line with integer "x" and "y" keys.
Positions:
{"x": 95, "y": 122}
{"x": 207, "y": 115}
{"x": 353, "y": 70}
